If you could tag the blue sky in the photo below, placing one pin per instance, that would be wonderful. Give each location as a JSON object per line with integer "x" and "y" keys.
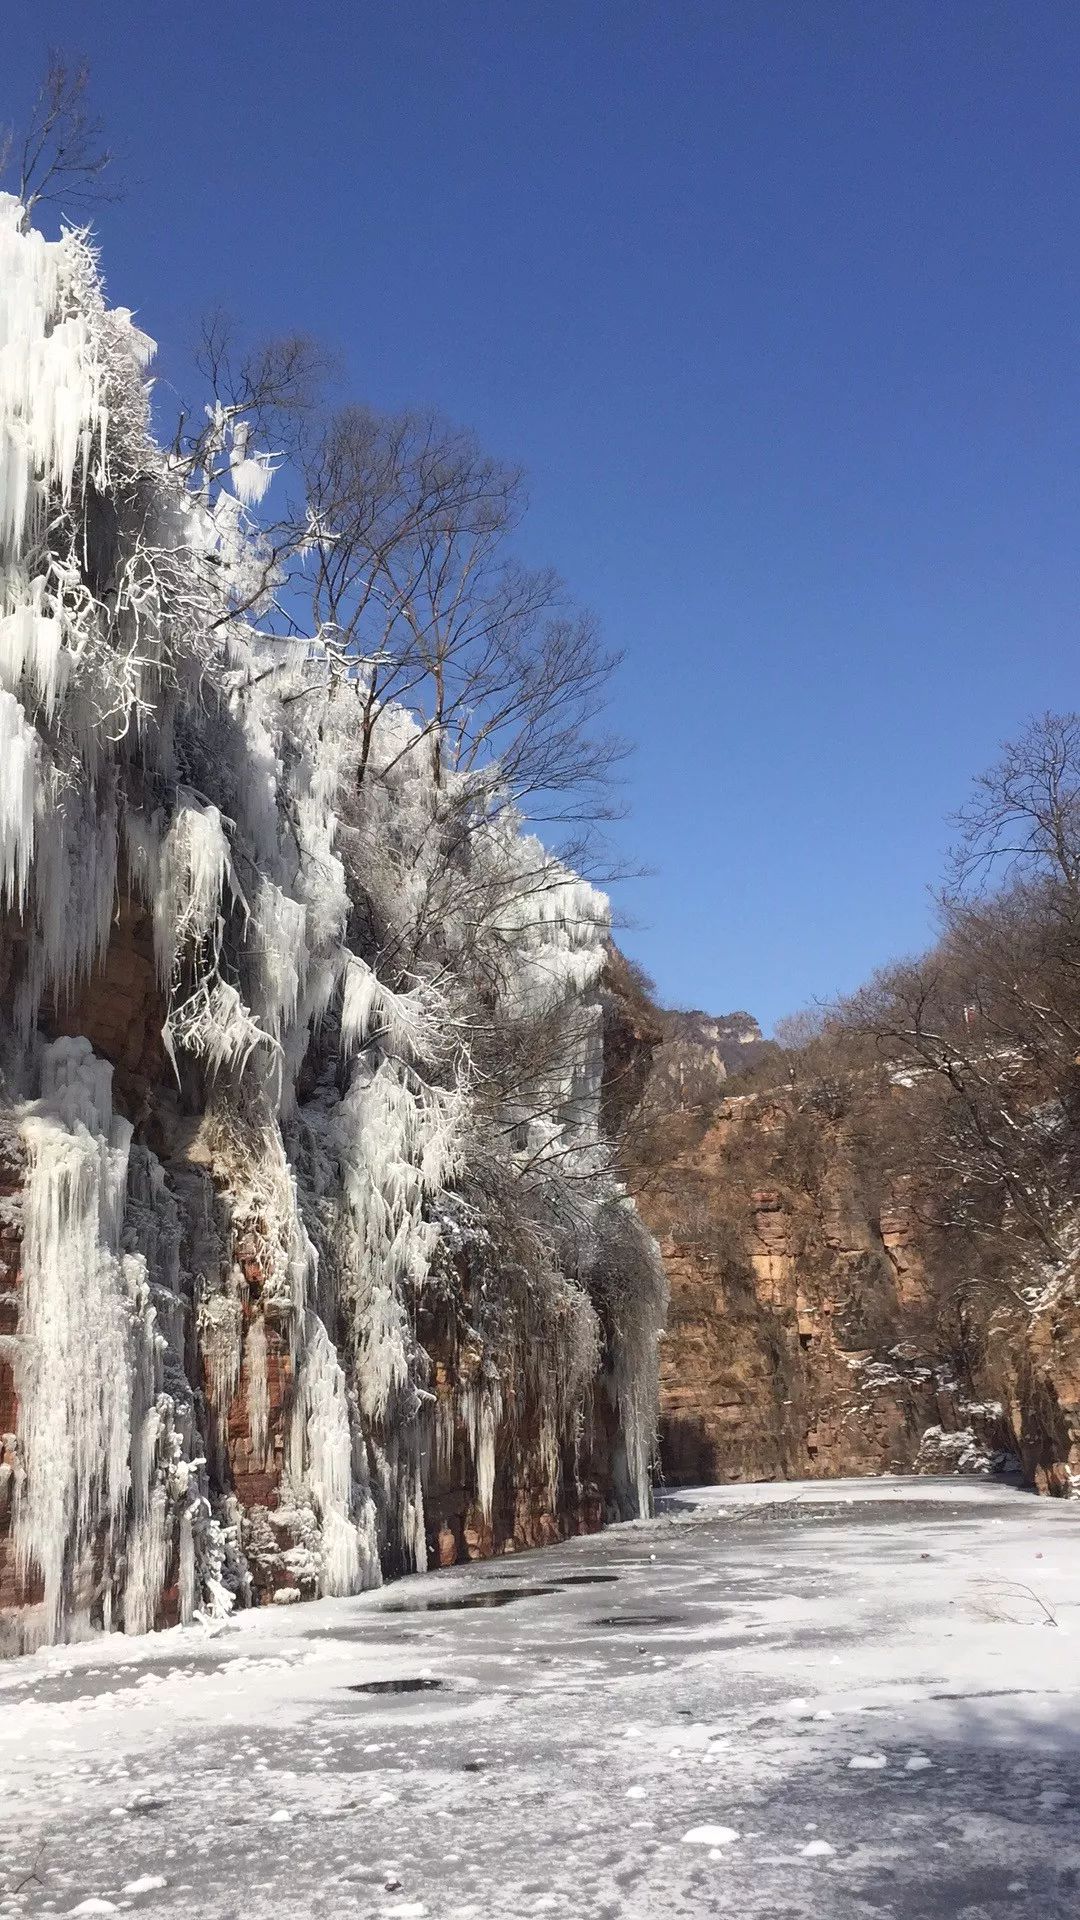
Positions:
{"x": 776, "y": 300}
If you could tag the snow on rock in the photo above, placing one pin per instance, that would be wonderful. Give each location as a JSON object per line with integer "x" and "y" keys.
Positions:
{"x": 708, "y": 1836}
{"x": 963, "y": 1450}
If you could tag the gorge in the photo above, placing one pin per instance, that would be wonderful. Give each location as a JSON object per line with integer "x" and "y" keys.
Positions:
{"x": 335, "y": 1129}
{"x": 539, "y": 1103}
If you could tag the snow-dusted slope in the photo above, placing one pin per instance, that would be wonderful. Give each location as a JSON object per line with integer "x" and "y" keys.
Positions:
{"x": 329, "y": 1171}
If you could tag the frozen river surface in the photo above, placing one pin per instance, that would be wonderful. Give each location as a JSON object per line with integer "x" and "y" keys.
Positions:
{"x": 850, "y": 1699}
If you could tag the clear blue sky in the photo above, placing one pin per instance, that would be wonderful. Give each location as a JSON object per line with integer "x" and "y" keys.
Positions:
{"x": 777, "y": 300}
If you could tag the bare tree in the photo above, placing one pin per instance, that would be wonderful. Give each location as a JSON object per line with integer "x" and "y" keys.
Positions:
{"x": 62, "y": 155}
{"x": 1024, "y": 816}
{"x": 268, "y": 390}
{"x": 982, "y": 1036}
{"x": 409, "y": 570}
{"x": 794, "y": 1031}
{"x": 977, "y": 1126}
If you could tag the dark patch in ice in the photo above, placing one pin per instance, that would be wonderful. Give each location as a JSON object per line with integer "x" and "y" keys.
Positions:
{"x": 638, "y": 1620}
{"x": 587, "y": 1579}
{"x": 354, "y": 1631}
{"x": 423, "y": 1685}
{"x": 484, "y": 1597}
{"x": 996, "y": 1693}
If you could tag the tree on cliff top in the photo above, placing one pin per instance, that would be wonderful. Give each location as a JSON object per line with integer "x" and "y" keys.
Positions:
{"x": 61, "y": 156}
{"x": 406, "y": 552}
{"x": 982, "y": 1035}
{"x": 1024, "y": 815}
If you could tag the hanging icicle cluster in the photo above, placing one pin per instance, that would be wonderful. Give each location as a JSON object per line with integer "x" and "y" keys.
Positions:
{"x": 362, "y": 1207}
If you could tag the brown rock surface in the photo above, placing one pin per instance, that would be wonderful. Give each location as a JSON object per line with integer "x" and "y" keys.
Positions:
{"x": 804, "y": 1338}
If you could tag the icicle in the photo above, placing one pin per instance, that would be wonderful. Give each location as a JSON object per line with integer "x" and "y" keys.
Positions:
{"x": 251, "y": 477}
{"x": 194, "y": 867}
{"x": 74, "y": 878}
{"x": 481, "y": 1407}
{"x": 404, "y": 1025}
{"x": 258, "y": 1390}
{"x": 216, "y": 1027}
{"x": 18, "y": 793}
{"x": 221, "y": 1341}
{"x": 74, "y": 1360}
{"x": 398, "y": 1143}
{"x": 322, "y": 1461}
{"x": 31, "y": 640}
{"x": 630, "y": 1275}
{"x": 51, "y": 388}
{"x": 278, "y": 941}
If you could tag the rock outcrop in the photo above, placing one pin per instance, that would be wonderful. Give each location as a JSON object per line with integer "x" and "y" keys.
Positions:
{"x": 812, "y": 1330}
{"x": 1031, "y": 1362}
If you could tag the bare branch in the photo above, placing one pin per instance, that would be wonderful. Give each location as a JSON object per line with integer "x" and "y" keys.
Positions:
{"x": 62, "y": 155}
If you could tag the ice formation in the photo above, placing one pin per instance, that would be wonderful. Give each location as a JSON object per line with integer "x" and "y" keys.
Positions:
{"x": 333, "y": 1192}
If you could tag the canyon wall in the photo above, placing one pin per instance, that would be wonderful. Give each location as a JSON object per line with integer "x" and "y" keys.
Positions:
{"x": 493, "y": 1476}
{"x": 314, "y": 1262}
{"x": 814, "y": 1330}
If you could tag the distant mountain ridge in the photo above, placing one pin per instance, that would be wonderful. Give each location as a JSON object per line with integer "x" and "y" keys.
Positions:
{"x": 733, "y": 1039}
{"x": 718, "y": 1045}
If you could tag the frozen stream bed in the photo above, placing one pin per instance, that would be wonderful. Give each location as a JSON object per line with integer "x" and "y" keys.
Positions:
{"x": 853, "y": 1698}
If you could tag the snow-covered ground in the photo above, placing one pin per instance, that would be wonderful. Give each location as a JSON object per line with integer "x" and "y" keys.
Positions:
{"x": 848, "y": 1699}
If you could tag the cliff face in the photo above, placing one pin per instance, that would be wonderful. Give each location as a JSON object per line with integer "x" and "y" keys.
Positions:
{"x": 814, "y": 1330}
{"x": 1031, "y": 1364}
{"x": 314, "y": 1265}
{"x": 489, "y": 1480}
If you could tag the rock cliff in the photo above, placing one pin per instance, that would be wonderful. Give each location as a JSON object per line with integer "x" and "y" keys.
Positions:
{"x": 314, "y": 1263}
{"x": 815, "y": 1329}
